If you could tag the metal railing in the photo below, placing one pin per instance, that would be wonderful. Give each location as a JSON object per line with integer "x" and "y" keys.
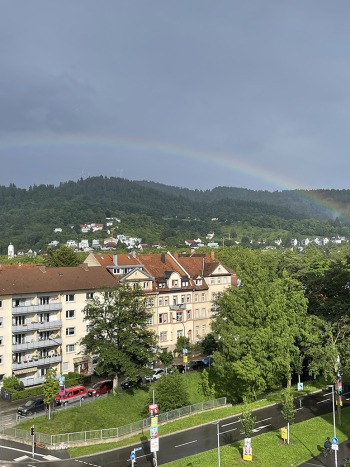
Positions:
{"x": 66, "y": 439}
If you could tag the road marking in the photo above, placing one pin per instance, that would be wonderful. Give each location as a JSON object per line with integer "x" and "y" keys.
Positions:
{"x": 87, "y": 463}
{"x": 324, "y": 400}
{"x": 228, "y": 431}
{"x": 29, "y": 453}
{"x": 300, "y": 408}
{"x": 232, "y": 423}
{"x": 264, "y": 420}
{"x": 260, "y": 428}
{"x": 185, "y": 444}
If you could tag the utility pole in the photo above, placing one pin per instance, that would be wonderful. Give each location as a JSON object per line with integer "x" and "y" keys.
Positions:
{"x": 339, "y": 388}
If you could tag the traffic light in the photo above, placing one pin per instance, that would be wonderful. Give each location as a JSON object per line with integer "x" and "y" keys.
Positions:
{"x": 32, "y": 431}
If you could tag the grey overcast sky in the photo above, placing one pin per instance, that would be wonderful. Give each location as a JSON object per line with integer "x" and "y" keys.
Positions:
{"x": 190, "y": 93}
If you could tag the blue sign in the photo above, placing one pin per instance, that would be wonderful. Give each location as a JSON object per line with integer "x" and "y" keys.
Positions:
{"x": 334, "y": 440}
{"x": 132, "y": 456}
{"x": 138, "y": 449}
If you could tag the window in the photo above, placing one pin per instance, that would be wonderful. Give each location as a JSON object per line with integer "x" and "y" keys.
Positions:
{"x": 197, "y": 331}
{"x": 161, "y": 285}
{"x": 179, "y": 316}
{"x": 163, "y": 336}
{"x": 196, "y": 297}
{"x": 160, "y": 301}
{"x": 0, "y": 303}
{"x": 1, "y": 340}
{"x": 166, "y": 301}
{"x": 150, "y": 321}
{"x": 0, "y": 322}
{"x": 70, "y": 331}
{"x": 44, "y": 300}
{"x": 199, "y": 281}
{"x": 203, "y": 297}
{"x": 1, "y": 359}
{"x": 174, "y": 300}
{"x": 146, "y": 285}
{"x": 42, "y": 371}
{"x": 196, "y": 313}
{"x": 70, "y": 297}
{"x": 225, "y": 280}
{"x": 204, "y": 329}
{"x": 219, "y": 280}
{"x": 163, "y": 318}
{"x": 188, "y": 298}
{"x": 212, "y": 280}
{"x": 89, "y": 295}
{"x": 70, "y": 314}
{"x": 70, "y": 348}
{"x": 203, "y": 313}
{"x": 179, "y": 333}
{"x": 188, "y": 314}
{"x": 175, "y": 283}
{"x": 184, "y": 283}
{"x": 182, "y": 299}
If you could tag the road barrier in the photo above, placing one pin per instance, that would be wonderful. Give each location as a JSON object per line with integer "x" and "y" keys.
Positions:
{"x": 58, "y": 441}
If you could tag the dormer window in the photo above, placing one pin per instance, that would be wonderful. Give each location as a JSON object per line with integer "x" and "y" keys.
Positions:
{"x": 161, "y": 285}
{"x": 175, "y": 283}
{"x": 185, "y": 283}
{"x": 199, "y": 281}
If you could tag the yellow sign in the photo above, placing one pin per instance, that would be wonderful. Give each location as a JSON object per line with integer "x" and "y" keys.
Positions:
{"x": 339, "y": 403}
{"x": 184, "y": 359}
{"x": 247, "y": 453}
{"x": 154, "y": 421}
{"x": 284, "y": 434}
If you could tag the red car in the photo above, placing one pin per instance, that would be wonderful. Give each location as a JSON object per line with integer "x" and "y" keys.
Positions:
{"x": 102, "y": 387}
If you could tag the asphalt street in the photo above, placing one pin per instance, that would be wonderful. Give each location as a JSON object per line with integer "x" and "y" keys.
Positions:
{"x": 188, "y": 442}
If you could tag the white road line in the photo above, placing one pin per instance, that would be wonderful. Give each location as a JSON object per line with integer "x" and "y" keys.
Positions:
{"x": 28, "y": 453}
{"x": 300, "y": 408}
{"x": 228, "y": 431}
{"x": 264, "y": 420}
{"x": 322, "y": 401}
{"x": 185, "y": 444}
{"x": 232, "y": 423}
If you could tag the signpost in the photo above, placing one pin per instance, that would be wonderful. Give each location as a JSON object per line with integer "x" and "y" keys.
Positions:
{"x": 153, "y": 432}
{"x": 133, "y": 455}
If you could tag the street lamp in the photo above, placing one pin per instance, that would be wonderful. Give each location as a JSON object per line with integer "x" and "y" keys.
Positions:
{"x": 218, "y": 436}
{"x": 334, "y": 427}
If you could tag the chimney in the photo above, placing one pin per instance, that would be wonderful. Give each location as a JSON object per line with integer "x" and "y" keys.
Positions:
{"x": 212, "y": 254}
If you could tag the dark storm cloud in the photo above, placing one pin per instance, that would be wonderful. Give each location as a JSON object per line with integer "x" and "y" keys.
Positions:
{"x": 266, "y": 82}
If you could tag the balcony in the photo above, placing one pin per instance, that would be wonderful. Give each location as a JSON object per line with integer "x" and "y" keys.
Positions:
{"x": 21, "y": 310}
{"x": 37, "y": 344}
{"x": 37, "y": 326}
{"x": 179, "y": 307}
{"x": 33, "y": 381}
{"x": 35, "y": 363}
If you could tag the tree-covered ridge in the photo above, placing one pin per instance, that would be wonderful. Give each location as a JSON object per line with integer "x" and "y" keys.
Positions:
{"x": 156, "y": 213}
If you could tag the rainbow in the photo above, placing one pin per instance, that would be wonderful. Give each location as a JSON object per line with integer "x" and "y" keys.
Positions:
{"x": 231, "y": 161}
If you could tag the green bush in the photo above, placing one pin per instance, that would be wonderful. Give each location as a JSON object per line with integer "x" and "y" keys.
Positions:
{"x": 11, "y": 383}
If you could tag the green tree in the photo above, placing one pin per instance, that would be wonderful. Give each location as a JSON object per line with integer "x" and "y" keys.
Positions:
{"x": 63, "y": 256}
{"x": 209, "y": 344}
{"x": 50, "y": 388}
{"x": 118, "y": 333}
{"x": 171, "y": 393}
{"x": 247, "y": 421}
{"x": 166, "y": 358}
{"x": 262, "y": 326}
{"x": 207, "y": 389}
{"x": 288, "y": 410}
{"x": 11, "y": 383}
{"x": 182, "y": 342}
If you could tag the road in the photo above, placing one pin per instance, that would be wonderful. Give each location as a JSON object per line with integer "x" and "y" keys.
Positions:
{"x": 177, "y": 445}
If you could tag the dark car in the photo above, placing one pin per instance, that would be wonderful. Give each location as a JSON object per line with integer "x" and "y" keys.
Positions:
{"x": 196, "y": 365}
{"x": 31, "y": 407}
{"x": 180, "y": 367}
{"x": 129, "y": 383}
{"x": 102, "y": 387}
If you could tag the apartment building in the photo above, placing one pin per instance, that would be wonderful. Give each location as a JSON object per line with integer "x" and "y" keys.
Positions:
{"x": 42, "y": 319}
{"x": 180, "y": 289}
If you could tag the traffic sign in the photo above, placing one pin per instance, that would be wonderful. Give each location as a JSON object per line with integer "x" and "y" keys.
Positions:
{"x": 132, "y": 456}
{"x": 334, "y": 440}
{"x": 138, "y": 449}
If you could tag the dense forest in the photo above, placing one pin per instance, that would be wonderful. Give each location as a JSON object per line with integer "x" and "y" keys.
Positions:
{"x": 165, "y": 215}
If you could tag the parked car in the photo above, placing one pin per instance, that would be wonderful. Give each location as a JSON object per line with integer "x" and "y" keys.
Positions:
{"x": 129, "y": 383}
{"x": 102, "y": 387}
{"x": 180, "y": 367}
{"x": 196, "y": 365}
{"x": 208, "y": 361}
{"x": 73, "y": 394}
{"x": 31, "y": 407}
{"x": 157, "y": 373}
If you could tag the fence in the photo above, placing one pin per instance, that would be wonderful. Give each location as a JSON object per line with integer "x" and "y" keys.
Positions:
{"x": 66, "y": 439}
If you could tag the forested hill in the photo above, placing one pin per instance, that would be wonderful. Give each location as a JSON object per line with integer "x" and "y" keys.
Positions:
{"x": 155, "y": 212}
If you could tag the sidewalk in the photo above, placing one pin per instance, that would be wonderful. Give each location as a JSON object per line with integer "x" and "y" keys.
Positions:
{"x": 320, "y": 461}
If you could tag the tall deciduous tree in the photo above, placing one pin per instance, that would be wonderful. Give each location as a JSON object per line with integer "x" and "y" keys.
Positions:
{"x": 261, "y": 329}
{"x": 118, "y": 333}
{"x": 50, "y": 388}
{"x": 288, "y": 410}
{"x": 63, "y": 256}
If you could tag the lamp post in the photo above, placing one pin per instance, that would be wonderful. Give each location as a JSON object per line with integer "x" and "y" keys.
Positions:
{"x": 218, "y": 436}
{"x": 334, "y": 427}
